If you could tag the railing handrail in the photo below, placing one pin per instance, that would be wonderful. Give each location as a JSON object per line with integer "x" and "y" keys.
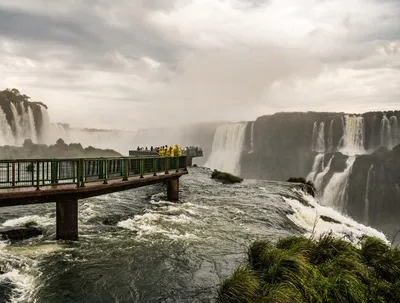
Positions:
{"x": 56, "y": 171}
{"x": 84, "y": 158}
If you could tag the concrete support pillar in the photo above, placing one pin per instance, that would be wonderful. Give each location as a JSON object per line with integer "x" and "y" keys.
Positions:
{"x": 189, "y": 161}
{"x": 173, "y": 190}
{"x": 67, "y": 220}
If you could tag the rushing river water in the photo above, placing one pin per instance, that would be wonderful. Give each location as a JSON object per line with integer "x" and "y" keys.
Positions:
{"x": 151, "y": 250}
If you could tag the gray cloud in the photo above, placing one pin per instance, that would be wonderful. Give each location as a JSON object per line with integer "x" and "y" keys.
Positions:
{"x": 231, "y": 59}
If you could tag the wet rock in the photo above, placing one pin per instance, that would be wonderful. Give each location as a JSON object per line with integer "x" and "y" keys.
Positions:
{"x": 19, "y": 233}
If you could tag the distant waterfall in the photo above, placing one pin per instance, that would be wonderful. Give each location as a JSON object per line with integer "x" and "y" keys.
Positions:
{"x": 59, "y": 131}
{"x": 353, "y": 136}
{"x": 17, "y": 124}
{"x": 227, "y": 148}
{"x": 386, "y": 136}
{"x": 31, "y": 125}
{"x": 330, "y": 136}
{"x": 367, "y": 188}
{"x": 317, "y": 165}
{"x": 318, "y": 137}
{"x": 6, "y": 135}
{"x": 394, "y": 130}
{"x": 335, "y": 192}
{"x": 46, "y": 130}
{"x": 252, "y": 136}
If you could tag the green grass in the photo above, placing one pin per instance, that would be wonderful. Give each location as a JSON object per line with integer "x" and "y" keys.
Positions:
{"x": 323, "y": 270}
{"x": 225, "y": 177}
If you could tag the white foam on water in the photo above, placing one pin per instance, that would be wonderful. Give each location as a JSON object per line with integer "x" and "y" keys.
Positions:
{"x": 40, "y": 220}
{"x": 308, "y": 217}
{"x": 20, "y": 272}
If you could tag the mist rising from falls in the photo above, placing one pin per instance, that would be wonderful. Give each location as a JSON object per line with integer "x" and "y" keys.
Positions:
{"x": 367, "y": 188}
{"x": 227, "y": 148}
{"x": 335, "y": 192}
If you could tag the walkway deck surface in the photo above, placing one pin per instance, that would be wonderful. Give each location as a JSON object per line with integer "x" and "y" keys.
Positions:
{"x": 47, "y": 194}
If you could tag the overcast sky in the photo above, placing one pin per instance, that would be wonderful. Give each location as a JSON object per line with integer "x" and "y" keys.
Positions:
{"x": 134, "y": 63}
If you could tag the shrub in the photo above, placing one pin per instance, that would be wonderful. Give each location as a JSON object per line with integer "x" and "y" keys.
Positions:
{"x": 327, "y": 269}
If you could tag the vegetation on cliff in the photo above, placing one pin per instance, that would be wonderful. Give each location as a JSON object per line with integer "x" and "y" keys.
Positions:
{"x": 327, "y": 269}
{"x": 30, "y": 150}
{"x": 306, "y": 186}
{"x": 225, "y": 178}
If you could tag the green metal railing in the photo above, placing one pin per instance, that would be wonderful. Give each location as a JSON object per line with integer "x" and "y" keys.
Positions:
{"x": 44, "y": 172}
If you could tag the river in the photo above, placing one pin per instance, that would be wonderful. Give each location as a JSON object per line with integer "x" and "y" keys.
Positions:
{"x": 152, "y": 250}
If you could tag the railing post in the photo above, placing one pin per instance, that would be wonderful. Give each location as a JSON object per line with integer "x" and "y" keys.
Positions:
{"x": 141, "y": 162}
{"x": 78, "y": 172}
{"x": 82, "y": 172}
{"x": 154, "y": 167}
{"x": 177, "y": 164}
{"x": 105, "y": 171}
{"x": 13, "y": 174}
{"x": 37, "y": 175}
{"x": 166, "y": 165}
{"x": 126, "y": 169}
{"x": 33, "y": 173}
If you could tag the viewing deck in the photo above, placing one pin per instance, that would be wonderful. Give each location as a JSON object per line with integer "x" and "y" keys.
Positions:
{"x": 65, "y": 181}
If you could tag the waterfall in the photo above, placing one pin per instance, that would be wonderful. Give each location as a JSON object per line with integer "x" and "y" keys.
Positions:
{"x": 31, "y": 125}
{"x": 330, "y": 137}
{"x": 335, "y": 192}
{"x": 386, "y": 135}
{"x": 318, "y": 137}
{"x": 367, "y": 188}
{"x": 318, "y": 163}
{"x": 46, "y": 130}
{"x": 227, "y": 148}
{"x": 321, "y": 138}
{"x": 353, "y": 136}
{"x": 320, "y": 177}
{"x": 314, "y": 136}
{"x": 6, "y": 134}
{"x": 252, "y": 137}
{"x": 59, "y": 131}
{"x": 17, "y": 124}
{"x": 393, "y": 124}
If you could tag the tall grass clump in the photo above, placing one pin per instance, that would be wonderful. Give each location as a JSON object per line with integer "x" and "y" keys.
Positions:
{"x": 323, "y": 270}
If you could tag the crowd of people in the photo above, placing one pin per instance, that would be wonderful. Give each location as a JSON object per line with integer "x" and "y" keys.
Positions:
{"x": 172, "y": 151}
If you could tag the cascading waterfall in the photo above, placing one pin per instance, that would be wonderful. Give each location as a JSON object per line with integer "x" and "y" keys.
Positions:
{"x": 17, "y": 124}
{"x": 353, "y": 136}
{"x": 386, "y": 136}
{"x": 321, "y": 138}
{"x": 7, "y": 137}
{"x": 330, "y": 136}
{"x": 393, "y": 124}
{"x": 314, "y": 136}
{"x": 31, "y": 125}
{"x": 227, "y": 148}
{"x": 320, "y": 177}
{"x": 367, "y": 188}
{"x": 252, "y": 137}
{"x": 318, "y": 137}
{"x": 59, "y": 131}
{"x": 46, "y": 133}
{"x": 335, "y": 192}
{"x": 317, "y": 165}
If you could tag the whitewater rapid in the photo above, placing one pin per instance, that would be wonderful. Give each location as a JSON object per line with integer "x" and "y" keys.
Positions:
{"x": 156, "y": 250}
